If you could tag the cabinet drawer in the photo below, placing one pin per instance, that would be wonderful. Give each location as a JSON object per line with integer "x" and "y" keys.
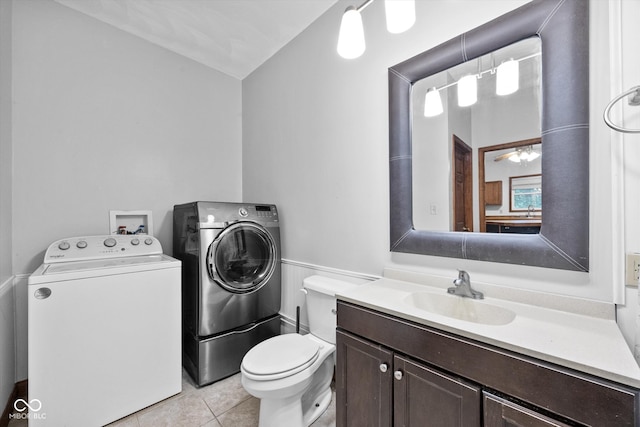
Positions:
{"x": 499, "y": 412}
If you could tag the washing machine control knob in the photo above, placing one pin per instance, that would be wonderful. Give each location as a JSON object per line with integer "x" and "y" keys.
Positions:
{"x": 81, "y": 244}
{"x": 243, "y": 212}
{"x": 63, "y": 246}
{"x": 148, "y": 241}
{"x": 135, "y": 241}
{"x": 110, "y": 242}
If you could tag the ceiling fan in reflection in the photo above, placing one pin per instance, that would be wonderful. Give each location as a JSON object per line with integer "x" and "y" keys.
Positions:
{"x": 520, "y": 154}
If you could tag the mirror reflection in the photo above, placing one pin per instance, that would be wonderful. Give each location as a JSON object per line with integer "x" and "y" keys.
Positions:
{"x": 512, "y": 191}
{"x": 463, "y": 119}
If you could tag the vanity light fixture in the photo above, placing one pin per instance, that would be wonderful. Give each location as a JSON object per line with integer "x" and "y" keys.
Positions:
{"x": 432, "y": 103}
{"x": 351, "y": 42}
{"x": 468, "y": 90}
{"x": 508, "y": 77}
{"x": 401, "y": 14}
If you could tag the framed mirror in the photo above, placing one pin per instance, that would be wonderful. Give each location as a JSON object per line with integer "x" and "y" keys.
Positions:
{"x": 563, "y": 238}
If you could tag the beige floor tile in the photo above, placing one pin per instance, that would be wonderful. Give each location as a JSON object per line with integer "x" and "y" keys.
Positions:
{"x": 244, "y": 415}
{"x": 130, "y": 421}
{"x": 224, "y": 395}
{"x": 213, "y": 423}
{"x": 188, "y": 410}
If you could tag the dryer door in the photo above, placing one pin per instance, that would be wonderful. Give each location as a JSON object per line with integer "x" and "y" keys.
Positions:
{"x": 242, "y": 258}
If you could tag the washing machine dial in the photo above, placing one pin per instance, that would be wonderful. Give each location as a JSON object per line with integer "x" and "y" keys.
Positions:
{"x": 135, "y": 241}
{"x": 148, "y": 241}
{"x": 110, "y": 242}
{"x": 81, "y": 244}
{"x": 243, "y": 212}
{"x": 63, "y": 246}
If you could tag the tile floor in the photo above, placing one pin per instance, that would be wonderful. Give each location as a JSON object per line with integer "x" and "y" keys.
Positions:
{"x": 221, "y": 404}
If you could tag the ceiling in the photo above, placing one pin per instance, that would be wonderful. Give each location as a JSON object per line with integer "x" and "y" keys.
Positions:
{"x": 231, "y": 36}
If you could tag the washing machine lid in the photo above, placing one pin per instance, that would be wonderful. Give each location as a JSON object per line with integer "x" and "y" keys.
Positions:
{"x": 281, "y": 356}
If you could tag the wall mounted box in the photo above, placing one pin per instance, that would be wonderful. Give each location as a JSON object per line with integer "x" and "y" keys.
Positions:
{"x": 131, "y": 221}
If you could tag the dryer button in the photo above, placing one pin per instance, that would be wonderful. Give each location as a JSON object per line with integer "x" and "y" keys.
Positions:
{"x": 243, "y": 212}
{"x": 110, "y": 242}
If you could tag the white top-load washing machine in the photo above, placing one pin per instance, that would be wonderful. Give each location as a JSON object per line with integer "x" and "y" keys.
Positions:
{"x": 104, "y": 330}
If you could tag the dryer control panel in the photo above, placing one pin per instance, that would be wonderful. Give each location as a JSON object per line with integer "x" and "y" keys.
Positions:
{"x": 220, "y": 215}
{"x": 101, "y": 247}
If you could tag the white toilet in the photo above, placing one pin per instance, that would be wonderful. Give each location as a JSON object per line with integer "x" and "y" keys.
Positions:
{"x": 291, "y": 374}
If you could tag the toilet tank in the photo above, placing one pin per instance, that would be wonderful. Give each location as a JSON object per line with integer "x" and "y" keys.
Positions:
{"x": 321, "y": 305}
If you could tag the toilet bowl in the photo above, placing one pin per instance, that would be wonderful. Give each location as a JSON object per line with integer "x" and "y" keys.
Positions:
{"x": 291, "y": 374}
{"x": 293, "y": 391}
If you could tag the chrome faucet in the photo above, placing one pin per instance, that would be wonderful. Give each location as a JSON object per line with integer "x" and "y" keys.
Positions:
{"x": 463, "y": 287}
{"x": 529, "y": 211}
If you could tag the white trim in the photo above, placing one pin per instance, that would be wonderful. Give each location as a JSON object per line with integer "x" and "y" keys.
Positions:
{"x": 617, "y": 157}
{"x": 291, "y": 323}
{"x": 331, "y": 270}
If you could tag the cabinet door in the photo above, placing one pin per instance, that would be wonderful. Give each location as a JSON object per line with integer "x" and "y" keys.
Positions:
{"x": 499, "y": 412}
{"x": 363, "y": 383}
{"x": 424, "y": 397}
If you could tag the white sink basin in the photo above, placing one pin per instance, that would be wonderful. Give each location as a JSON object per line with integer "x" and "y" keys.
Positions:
{"x": 461, "y": 308}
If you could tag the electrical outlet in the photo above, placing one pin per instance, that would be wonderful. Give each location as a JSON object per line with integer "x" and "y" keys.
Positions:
{"x": 633, "y": 269}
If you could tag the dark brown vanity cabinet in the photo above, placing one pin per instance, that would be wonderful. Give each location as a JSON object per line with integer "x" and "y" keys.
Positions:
{"x": 380, "y": 388}
{"x": 393, "y": 372}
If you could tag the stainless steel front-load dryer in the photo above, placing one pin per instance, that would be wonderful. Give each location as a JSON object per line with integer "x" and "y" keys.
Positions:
{"x": 231, "y": 287}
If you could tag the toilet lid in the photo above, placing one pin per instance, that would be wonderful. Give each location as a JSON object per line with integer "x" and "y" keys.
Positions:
{"x": 281, "y": 356}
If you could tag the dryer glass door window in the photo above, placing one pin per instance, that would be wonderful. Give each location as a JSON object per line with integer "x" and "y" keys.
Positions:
{"x": 242, "y": 258}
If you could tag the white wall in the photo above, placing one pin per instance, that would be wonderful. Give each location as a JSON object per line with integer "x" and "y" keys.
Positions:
{"x": 7, "y": 301}
{"x": 315, "y": 141}
{"x": 627, "y": 154}
{"x": 103, "y": 120}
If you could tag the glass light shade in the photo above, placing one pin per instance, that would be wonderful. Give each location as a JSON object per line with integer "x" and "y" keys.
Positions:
{"x": 432, "y": 103}
{"x": 515, "y": 157}
{"x": 401, "y": 15}
{"x": 467, "y": 90}
{"x": 533, "y": 155}
{"x": 351, "y": 39}
{"x": 508, "y": 77}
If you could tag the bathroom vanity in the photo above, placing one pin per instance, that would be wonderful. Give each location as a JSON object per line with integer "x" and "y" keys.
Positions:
{"x": 493, "y": 362}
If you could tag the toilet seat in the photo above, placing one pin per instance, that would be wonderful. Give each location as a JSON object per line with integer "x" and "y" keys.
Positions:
{"x": 280, "y": 357}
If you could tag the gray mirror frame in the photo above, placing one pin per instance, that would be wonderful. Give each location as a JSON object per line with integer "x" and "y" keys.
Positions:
{"x": 563, "y": 242}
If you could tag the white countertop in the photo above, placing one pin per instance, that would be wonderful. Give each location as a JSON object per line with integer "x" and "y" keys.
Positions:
{"x": 587, "y": 343}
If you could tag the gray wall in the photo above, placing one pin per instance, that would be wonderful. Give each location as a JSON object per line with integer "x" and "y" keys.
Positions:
{"x": 7, "y": 300}
{"x": 102, "y": 120}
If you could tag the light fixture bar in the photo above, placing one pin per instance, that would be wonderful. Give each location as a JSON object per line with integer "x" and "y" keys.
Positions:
{"x": 490, "y": 70}
{"x": 364, "y": 5}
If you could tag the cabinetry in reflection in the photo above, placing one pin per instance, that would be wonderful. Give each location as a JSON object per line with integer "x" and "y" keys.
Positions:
{"x": 391, "y": 372}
